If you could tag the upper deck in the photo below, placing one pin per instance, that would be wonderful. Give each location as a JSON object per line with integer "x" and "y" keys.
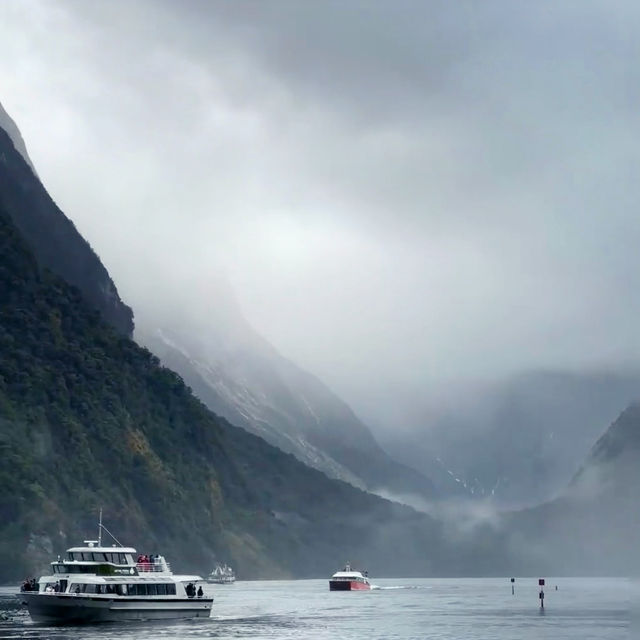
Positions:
{"x": 348, "y": 575}
{"x": 100, "y": 560}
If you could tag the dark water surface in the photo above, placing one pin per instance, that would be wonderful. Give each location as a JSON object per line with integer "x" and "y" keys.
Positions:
{"x": 443, "y": 609}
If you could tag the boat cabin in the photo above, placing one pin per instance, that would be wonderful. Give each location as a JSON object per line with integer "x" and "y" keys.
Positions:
{"x": 349, "y": 575}
{"x": 108, "y": 561}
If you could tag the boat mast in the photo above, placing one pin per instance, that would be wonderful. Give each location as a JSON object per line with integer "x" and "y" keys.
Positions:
{"x": 100, "y": 529}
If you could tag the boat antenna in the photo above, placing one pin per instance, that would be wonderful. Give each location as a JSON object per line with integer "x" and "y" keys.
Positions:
{"x": 100, "y": 528}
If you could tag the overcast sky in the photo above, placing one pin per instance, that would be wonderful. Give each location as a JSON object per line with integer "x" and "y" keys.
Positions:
{"x": 401, "y": 194}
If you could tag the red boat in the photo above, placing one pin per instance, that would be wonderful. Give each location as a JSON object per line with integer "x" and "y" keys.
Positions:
{"x": 349, "y": 580}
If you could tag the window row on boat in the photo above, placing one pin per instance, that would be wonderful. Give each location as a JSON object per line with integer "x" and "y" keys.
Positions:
{"x": 150, "y": 589}
{"x": 99, "y": 556}
{"x": 98, "y": 569}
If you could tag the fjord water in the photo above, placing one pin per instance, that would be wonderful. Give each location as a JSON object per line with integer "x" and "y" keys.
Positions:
{"x": 438, "y": 609}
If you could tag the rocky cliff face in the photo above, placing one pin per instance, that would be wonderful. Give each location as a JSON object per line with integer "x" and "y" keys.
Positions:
{"x": 55, "y": 241}
{"x": 240, "y": 376}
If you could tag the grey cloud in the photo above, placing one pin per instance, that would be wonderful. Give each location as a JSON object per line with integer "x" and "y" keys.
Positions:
{"x": 401, "y": 194}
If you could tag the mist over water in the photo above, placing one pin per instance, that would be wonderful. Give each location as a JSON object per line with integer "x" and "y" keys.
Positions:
{"x": 470, "y": 609}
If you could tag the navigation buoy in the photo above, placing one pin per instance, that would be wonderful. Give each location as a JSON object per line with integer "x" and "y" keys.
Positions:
{"x": 541, "y": 594}
{"x": 513, "y": 587}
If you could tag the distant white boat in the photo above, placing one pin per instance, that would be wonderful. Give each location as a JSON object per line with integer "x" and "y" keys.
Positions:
{"x": 222, "y": 574}
{"x": 96, "y": 583}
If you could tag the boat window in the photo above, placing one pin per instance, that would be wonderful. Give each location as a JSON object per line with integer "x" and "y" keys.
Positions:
{"x": 142, "y": 589}
{"x": 121, "y": 589}
{"x": 161, "y": 589}
{"x": 151, "y": 590}
{"x": 70, "y": 555}
{"x": 122, "y": 558}
{"x": 77, "y": 588}
{"x": 74, "y": 568}
{"x": 171, "y": 589}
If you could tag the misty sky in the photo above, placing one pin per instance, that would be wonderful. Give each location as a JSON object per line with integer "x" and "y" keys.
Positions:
{"x": 400, "y": 194}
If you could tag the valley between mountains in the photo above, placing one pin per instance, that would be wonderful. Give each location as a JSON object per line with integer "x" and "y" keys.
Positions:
{"x": 199, "y": 440}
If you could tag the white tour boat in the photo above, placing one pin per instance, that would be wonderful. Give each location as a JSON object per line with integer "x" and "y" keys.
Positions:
{"x": 222, "y": 574}
{"x": 96, "y": 583}
{"x": 349, "y": 580}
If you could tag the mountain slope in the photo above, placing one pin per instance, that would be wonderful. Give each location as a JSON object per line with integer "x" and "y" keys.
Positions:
{"x": 7, "y": 123}
{"x": 89, "y": 419}
{"x": 534, "y": 432}
{"x": 240, "y": 376}
{"x": 53, "y": 238}
{"x": 593, "y": 528}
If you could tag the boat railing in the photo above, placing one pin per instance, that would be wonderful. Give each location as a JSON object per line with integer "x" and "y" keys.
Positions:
{"x": 157, "y": 567}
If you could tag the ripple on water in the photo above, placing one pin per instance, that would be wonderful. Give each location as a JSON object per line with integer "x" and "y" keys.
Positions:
{"x": 397, "y": 610}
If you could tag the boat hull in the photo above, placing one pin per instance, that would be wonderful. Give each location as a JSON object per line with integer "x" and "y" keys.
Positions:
{"x": 348, "y": 585}
{"x": 69, "y": 608}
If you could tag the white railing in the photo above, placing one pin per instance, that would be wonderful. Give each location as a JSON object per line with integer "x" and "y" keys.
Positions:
{"x": 144, "y": 567}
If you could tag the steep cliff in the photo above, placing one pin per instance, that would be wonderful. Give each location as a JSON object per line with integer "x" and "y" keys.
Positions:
{"x": 55, "y": 241}
{"x": 7, "y": 123}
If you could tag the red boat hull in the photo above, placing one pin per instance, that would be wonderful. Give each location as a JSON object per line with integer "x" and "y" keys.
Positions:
{"x": 348, "y": 585}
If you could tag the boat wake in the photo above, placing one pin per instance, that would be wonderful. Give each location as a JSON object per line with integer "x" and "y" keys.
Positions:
{"x": 377, "y": 587}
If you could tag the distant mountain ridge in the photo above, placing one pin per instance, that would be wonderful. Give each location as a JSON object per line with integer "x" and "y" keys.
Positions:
{"x": 593, "y": 527}
{"x": 54, "y": 239}
{"x": 533, "y": 431}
